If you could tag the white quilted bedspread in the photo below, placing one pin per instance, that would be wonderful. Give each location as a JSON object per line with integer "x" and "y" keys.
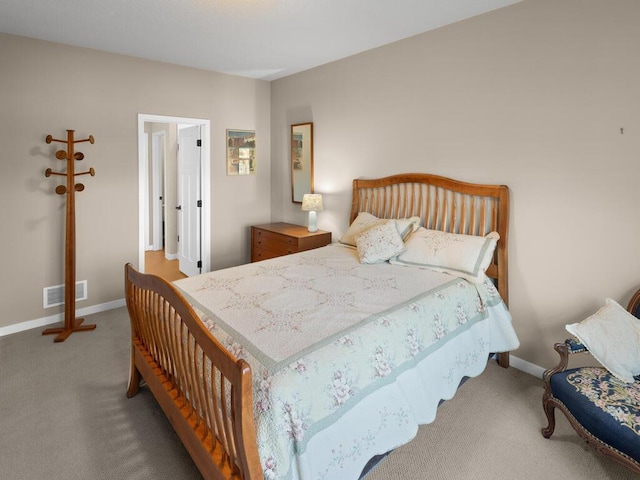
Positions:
{"x": 324, "y": 333}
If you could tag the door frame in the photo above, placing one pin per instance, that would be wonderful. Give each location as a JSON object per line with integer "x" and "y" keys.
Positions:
{"x": 146, "y": 205}
{"x": 158, "y": 152}
{"x": 205, "y": 183}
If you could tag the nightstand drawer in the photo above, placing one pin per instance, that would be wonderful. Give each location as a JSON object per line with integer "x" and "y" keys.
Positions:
{"x": 275, "y": 240}
{"x": 261, "y": 252}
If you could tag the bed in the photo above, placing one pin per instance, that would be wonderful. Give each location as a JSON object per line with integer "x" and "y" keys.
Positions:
{"x": 309, "y": 365}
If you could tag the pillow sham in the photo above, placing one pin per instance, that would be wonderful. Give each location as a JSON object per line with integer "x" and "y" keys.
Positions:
{"x": 379, "y": 243}
{"x": 406, "y": 226}
{"x": 612, "y": 335}
{"x": 364, "y": 220}
{"x": 465, "y": 256}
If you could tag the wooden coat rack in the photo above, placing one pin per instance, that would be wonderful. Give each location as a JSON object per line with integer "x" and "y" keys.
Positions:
{"x": 71, "y": 323}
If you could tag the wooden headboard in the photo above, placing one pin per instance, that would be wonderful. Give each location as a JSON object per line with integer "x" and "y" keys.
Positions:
{"x": 442, "y": 204}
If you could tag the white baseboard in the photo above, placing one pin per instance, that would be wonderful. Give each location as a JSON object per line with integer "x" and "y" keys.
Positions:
{"x": 527, "y": 367}
{"x": 43, "y": 322}
{"x": 171, "y": 256}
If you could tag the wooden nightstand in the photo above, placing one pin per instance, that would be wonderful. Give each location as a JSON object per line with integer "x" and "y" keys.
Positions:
{"x": 277, "y": 239}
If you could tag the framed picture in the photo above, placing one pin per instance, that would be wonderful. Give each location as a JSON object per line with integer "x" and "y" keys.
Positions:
{"x": 241, "y": 152}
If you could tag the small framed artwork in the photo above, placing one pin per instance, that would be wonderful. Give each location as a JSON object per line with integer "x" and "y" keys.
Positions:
{"x": 241, "y": 152}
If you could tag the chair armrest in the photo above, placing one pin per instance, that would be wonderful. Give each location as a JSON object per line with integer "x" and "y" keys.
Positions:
{"x": 568, "y": 347}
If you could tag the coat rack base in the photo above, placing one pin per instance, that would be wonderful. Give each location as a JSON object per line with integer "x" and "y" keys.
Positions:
{"x": 64, "y": 332}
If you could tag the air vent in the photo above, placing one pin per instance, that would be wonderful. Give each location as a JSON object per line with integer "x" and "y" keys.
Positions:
{"x": 54, "y": 296}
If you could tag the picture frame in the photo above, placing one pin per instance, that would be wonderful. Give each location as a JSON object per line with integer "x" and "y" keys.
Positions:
{"x": 241, "y": 152}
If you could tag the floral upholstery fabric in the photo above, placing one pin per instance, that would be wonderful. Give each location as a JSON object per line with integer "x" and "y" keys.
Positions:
{"x": 607, "y": 407}
{"x": 379, "y": 243}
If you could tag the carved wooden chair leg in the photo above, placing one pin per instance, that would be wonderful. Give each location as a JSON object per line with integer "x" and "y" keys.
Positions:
{"x": 549, "y": 410}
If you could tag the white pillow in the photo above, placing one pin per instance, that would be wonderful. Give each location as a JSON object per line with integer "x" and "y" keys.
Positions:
{"x": 612, "y": 335}
{"x": 406, "y": 226}
{"x": 379, "y": 243}
{"x": 466, "y": 256}
{"x": 365, "y": 220}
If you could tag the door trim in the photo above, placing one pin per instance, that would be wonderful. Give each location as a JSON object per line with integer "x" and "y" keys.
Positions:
{"x": 158, "y": 148}
{"x": 144, "y": 213}
{"x": 205, "y": 183}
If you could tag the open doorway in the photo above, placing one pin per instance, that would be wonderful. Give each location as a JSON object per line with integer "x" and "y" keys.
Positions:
{"x": 160, "y": 209}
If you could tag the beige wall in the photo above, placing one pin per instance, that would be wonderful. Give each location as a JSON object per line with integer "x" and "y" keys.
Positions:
{"x": 532, "y": 96}
{"x": 46, "y": 88}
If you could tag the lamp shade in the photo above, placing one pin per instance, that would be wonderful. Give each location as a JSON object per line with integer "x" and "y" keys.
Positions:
{"x": 312, "y": 202}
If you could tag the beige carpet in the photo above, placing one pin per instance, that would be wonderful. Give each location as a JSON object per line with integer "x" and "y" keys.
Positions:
{"x": 491, "y": 429}
{"x": 64, "y": 416}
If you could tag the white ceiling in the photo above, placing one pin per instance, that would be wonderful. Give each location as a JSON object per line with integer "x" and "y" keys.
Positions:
{"x": 265, "y": 39}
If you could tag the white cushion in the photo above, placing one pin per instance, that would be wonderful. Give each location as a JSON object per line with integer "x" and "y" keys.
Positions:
{"x": 612, "y": 335}
{"x": 379, "y": 243}
{"x": 406, "y": 226}
{"x": 465, "y": 256}
{"x": 365, "y": 220}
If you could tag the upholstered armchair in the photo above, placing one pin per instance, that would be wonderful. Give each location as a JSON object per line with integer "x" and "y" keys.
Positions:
{"x": 603, "y": 409}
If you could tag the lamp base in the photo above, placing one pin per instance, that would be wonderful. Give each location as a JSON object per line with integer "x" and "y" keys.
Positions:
{"x": 312, "y": 222}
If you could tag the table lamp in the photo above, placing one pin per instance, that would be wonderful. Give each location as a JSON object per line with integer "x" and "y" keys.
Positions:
{"x": 312, "y": 203}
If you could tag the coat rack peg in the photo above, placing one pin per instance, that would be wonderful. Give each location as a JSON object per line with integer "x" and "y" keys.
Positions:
{"x": 48, "y": 172}
{"x": 91, "y": 172}
{"x": 90, "y": 140}
{"x": 50, "y": 139}
{"x": 71, "y": 323}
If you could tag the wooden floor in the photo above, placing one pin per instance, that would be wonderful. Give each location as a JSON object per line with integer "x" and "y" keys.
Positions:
{"x": 156, "y": 263}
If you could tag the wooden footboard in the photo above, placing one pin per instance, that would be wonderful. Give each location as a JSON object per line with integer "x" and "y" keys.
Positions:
{"x": 203, "y": 390}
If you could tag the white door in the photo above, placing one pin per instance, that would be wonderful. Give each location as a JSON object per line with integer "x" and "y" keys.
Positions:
{"x": 189, "y": 201}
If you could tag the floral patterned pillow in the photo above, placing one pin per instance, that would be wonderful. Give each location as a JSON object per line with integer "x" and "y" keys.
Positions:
{"x": 612, "y": 335}
{"x": 379, "y": 243}
{"x": 365, "y": 220}
{"x": 466, "y": 256}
